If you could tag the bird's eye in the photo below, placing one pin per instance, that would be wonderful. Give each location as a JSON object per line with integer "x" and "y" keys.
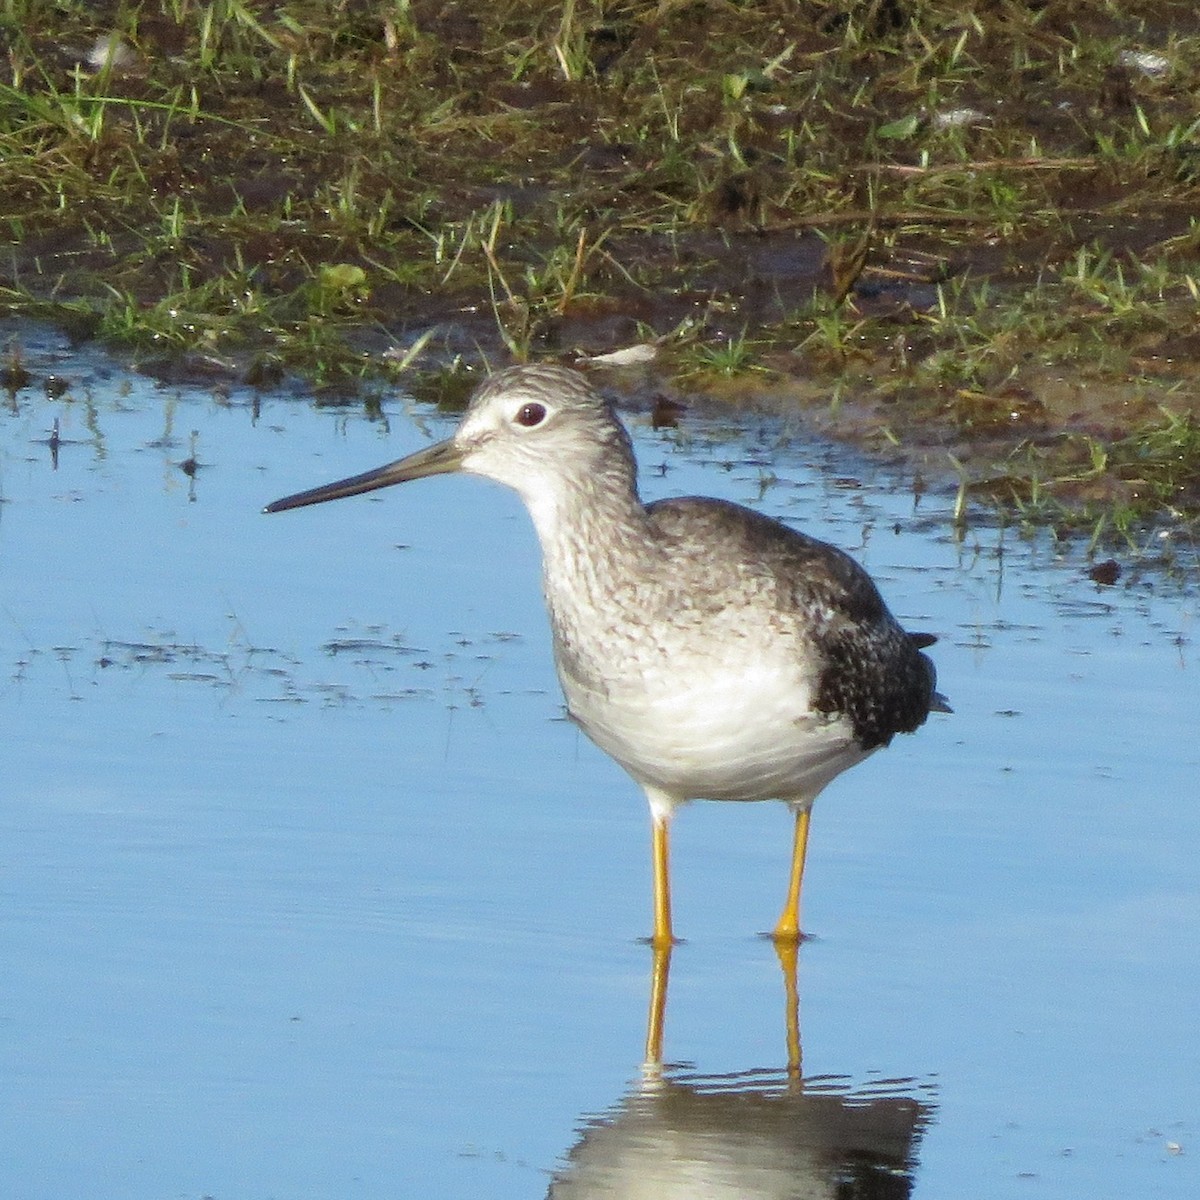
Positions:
{"x": 531, "y": 414}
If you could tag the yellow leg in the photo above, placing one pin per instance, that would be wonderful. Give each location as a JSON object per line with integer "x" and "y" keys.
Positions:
{"x": 663, "y": 938}
{"x": 789, "y": 954}
{"x": 658, "y": 1007}
{"x": 788, "y": 929}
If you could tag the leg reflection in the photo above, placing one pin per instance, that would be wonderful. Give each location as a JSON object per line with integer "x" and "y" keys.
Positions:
{"x": 789, "y": 957}
{"x": 660, "y": 972}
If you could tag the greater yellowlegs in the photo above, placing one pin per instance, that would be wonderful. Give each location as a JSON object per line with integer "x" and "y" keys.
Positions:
{"x": 713, "y": 652}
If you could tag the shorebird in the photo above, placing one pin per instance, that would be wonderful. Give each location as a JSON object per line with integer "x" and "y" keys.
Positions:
{"x": 713, "y": 652}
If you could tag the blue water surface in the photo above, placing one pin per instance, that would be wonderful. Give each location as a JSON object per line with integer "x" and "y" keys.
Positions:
{"x": 308, "y": 890}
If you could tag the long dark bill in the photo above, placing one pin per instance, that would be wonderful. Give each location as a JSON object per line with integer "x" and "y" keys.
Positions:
{"x": 438, "y": 459}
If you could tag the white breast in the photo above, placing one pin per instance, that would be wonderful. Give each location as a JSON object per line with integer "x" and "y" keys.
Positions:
{"x": 747, "y": 734}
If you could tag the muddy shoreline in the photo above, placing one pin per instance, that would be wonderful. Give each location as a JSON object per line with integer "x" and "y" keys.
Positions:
{"x": 968, "y": 236}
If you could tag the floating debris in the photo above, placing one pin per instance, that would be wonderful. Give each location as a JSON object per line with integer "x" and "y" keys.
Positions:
{"x": 1154, "y": 65}
{"x": 191, "y": 464}
{"x": 110, "y": 52}
{"x": 644, "y": 352}
{"x": 958, "y": 118}
{"x": 1105, "y": 573}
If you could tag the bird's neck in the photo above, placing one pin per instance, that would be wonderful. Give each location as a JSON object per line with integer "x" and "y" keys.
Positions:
{"x": 595, "y": 542}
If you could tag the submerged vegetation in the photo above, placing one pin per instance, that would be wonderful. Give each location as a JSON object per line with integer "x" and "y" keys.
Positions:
{"x": 976, "y": 227}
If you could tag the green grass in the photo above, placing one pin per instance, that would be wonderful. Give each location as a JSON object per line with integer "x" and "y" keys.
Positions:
{"x": 968, "y": 219}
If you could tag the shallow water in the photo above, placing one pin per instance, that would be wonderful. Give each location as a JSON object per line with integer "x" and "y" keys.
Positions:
{"x": 307, "y": 889}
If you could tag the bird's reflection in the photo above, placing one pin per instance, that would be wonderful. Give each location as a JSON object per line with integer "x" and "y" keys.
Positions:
{"x": 754, "y": 1135}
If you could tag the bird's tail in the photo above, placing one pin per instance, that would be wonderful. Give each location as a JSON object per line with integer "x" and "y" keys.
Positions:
{"x": 922, "y": 641}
